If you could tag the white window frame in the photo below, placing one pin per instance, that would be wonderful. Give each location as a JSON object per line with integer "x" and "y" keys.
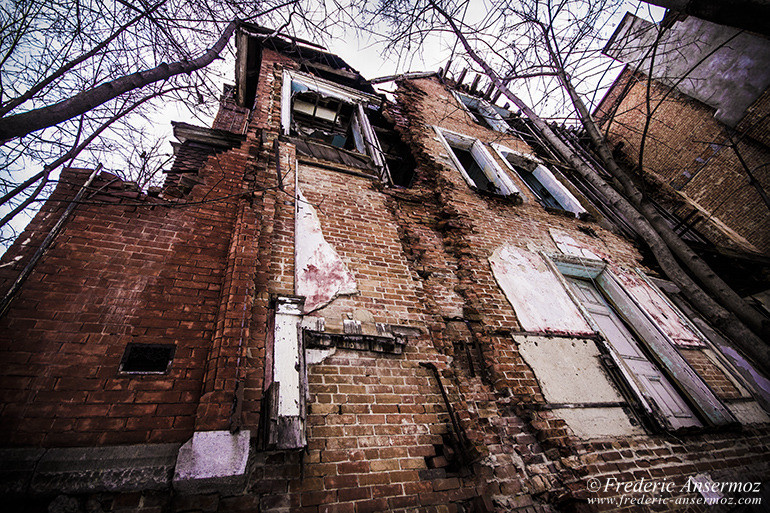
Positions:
{"x": 491, "y": 116}
{"x": 565, "y": 198}
{"x": 363, "y": 134}
{"x": 691, "y": 385}
{"x": 484, "y": 159}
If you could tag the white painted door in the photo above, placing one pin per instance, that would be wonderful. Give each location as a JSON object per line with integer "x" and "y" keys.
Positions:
{"x": 649, "y": 378}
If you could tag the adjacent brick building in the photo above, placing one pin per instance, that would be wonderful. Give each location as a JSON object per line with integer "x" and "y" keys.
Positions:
{"x": 342, "y": 303}
{"x": 706, "y": 146}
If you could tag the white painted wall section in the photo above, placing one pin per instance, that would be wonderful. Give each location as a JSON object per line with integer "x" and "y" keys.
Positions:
{"x": 286, "y": 364}
{"x": 570, "y": 371}
{"x": 320, "y": 273}
{"x": 538, "y": 297}
{"x": 723, "y": 67}
{"x": 212, "y": 461}
{"x": 569, "y": 246}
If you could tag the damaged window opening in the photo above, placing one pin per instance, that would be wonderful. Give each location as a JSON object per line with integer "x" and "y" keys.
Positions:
{"x": 476, "y": 164}
{"x": 548, "y": 191}
{"x": 540, "y": 191}
{"x": 662, "y": 381}
{"x": 482, "y": 112}
{"x": 332, "y": 121}
{"x": 474, "y": 170}
{"x": 325, "y": 119}
{"x": 147, "y": 358}
{"x": 652, "y": 382}
{"x": 397, "y": 154}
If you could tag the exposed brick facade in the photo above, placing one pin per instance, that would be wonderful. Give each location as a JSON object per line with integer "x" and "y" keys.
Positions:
{"x": 201, "y": 274}
{"x": 688, "y": 151}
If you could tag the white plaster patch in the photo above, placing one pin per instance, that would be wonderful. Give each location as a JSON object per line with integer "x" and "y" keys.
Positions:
{"x": 749, "y": 413}
{"x": 313, "y": 356}
{"x": 568, "y": 370}
{"x": 598, "y": 422}
{"x": 537, "y": 296}
{"x": 286, "y": 358}
{"x": 569, "y": 246}
{"x": 212, "y": 460}
{"x": 661, "y": 312}
{"x": 15, "y": 259}
{"x": 320, "y": 273}
{"x": 705, "y": 486}
{"x": 314, "y": 323}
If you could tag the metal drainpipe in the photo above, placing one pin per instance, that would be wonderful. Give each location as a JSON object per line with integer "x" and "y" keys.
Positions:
{"x": 45, "y": 244}
{"x": 455, "y": 423}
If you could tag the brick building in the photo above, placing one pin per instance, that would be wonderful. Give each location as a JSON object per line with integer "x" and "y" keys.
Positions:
{"x": 342, "y": 303}
{"x": 707, "y": 146}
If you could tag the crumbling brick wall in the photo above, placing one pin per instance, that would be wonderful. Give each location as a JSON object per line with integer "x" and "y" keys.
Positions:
{"x": 380, "y": 435}
{"x": 124, "y": 269}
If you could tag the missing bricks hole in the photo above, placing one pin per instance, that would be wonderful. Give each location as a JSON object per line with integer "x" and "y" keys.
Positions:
{"x": 147, "y": 358}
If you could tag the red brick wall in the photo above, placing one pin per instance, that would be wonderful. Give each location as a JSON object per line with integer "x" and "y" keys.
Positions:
{"x": 122, "y": 270}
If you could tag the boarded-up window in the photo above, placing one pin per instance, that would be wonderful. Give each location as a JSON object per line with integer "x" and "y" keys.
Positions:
{"x": 538, "y": 297}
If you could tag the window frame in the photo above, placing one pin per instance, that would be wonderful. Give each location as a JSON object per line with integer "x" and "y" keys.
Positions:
{"x": 691, "y": 387}
{"x": 483, "y": 158}
{"x": 562, "y": 195}
{"x": 363, "y": 133}
{"x": 494, "y": 120}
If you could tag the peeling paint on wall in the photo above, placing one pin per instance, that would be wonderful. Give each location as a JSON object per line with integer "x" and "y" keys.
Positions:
{"x": 749, "y": 413}
{"x": 569, "y": 372}
{"x": 738, "y": 360}
{"x": 665, "y": 317}
{"x": 286, "y": 356}
{"x": 537, "y": 296}
{"x": 570, "y": 246}
{"x": 321, "y": 275}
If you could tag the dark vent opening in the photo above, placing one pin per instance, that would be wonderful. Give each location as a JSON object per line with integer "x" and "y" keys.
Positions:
{"x": 147, "y": 358}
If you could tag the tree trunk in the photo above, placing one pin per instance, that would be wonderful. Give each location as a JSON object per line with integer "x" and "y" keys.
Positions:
{"x": 20, "y": 125}
{"x": 708, "y": 278}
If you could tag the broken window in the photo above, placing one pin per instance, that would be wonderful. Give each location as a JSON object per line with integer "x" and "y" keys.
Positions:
{"x": 331, "y": 122}
{"x": 482, "y": 112}
{"x": 325, "y": 119}
{"x": 548, "y": 191}
{"x": 476, "y": 164}
{"x": 397, "y": 154}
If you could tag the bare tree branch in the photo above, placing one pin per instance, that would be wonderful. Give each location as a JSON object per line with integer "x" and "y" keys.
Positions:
{"x": 22, "y": 124}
